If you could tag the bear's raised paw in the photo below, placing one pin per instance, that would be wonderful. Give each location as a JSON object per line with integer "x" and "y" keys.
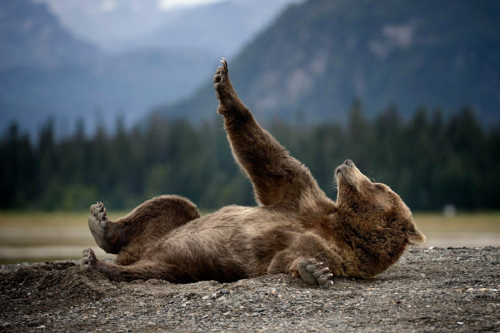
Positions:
{"x": 223, "y": 88}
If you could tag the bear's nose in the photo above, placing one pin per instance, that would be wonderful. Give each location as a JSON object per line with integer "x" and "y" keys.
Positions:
{"x": 348, "y": 162}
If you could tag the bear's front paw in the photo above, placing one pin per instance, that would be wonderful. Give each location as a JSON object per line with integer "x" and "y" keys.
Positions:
{"x": 314, "y": 272}
{"x": 223, "y": 87}
{"x": 221, "y": 79}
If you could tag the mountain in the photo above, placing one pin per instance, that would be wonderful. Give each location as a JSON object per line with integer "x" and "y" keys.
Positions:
{"x": 48, "y": 70}
{"x": 320, "y": 55}
{"x": 126, "y": 85}
{"x": 32, "y": 37}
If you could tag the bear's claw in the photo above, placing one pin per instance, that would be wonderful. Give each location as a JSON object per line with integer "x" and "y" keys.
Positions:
{"x": 224, "y": 63}
{"x": 313, "y": 272}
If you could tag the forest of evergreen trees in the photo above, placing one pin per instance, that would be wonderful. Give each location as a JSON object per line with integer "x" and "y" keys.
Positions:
{"x": 430, "y": 160}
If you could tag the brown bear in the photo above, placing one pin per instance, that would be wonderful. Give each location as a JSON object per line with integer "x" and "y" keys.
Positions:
{"x": 295, "y": 229}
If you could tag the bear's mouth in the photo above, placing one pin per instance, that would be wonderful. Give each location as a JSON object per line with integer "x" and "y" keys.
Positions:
{"x": 342, "y": 177}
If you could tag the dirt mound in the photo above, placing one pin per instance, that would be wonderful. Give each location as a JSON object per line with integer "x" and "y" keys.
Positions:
{"x": 50, "y": 285}
{"x": 445, "y": 290}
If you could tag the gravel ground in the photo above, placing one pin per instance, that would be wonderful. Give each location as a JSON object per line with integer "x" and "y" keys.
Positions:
{"x": 436, "y": 289}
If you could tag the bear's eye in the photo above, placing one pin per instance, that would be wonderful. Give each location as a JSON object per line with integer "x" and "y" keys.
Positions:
{"x": 379, "y": 187}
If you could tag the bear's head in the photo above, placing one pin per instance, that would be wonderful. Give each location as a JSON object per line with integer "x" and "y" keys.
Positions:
{"x": 375, "y": 216}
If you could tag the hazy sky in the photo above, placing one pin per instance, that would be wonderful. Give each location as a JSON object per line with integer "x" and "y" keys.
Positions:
{"x": 115, "y": 25}
{"x": 133, "y": 5}
{"x": 170, "y": 4}
{"x": 110, "y": 5}
{"x": 110, "y": 23}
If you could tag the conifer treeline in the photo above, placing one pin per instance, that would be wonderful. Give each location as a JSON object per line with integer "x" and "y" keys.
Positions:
{"x": 429, "y": 160}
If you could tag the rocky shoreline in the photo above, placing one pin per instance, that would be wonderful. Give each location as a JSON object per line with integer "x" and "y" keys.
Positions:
{"x": 436, "y": 289}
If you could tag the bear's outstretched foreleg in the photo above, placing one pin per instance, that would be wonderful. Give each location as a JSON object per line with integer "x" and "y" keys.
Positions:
{"x": 144, "y": 225}
{"x": 278, "y": 178}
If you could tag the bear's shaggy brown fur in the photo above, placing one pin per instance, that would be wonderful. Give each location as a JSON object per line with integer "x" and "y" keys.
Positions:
{"x": 296, "y": 229}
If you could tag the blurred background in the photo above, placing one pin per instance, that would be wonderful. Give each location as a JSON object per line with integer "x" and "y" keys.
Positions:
{"x": 112, "y": 101}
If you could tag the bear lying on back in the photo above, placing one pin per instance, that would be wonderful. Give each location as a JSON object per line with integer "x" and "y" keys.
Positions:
{"x": 296, "y": 229}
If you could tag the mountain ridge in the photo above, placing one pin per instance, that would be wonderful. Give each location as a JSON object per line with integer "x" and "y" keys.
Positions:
{"x": 321, "y": 55}
{"x": 32, "y": 37}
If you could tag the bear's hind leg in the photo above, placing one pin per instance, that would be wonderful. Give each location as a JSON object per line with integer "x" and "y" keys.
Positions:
{"x": 140, "y": 270}
{"x": 143, "y": 226}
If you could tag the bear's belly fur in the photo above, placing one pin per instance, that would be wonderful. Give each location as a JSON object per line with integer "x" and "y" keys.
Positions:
{"x": 230, "y": 244}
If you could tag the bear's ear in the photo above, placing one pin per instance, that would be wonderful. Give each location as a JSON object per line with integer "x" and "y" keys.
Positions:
{"x": 415, "y": 237}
